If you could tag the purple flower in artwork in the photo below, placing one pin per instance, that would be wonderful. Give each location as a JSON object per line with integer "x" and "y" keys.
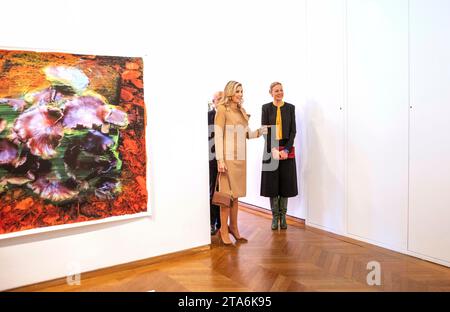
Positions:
{"x": 89, "y": 111}
{"x": 44, "y": 97}
{"x": 117, "y": 117}
{"x": 40, "y": 130}
{"x": 107, "y": 187}
{"x": 9, "y": 152}
{"x": 46, "y": 124}
{"x": 53, "y": 189}
{"x": 16, "y": 104}
{"x": 84, "y": 111}
{"x": 96, "y": 142}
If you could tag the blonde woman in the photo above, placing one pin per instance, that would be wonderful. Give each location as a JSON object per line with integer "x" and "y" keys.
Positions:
{"x": 232, "y": 131}
{"x": 279, "y": 182}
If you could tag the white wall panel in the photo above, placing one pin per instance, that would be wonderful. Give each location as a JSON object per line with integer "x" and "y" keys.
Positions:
{"x": 274, "y": 52}
{"x": 429, "y": 210}
{"x": 324, "y": 114}
{"x": 378, "y": 121}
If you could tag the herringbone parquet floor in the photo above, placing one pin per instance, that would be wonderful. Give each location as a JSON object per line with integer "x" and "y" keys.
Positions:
{"x": 297, "y": 259}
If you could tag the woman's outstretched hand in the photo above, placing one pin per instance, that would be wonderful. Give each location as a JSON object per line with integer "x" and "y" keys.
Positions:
{"x": 263, "y": 130}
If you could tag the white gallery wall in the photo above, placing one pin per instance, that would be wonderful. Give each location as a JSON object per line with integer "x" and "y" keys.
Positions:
{"x": 370, "y": 167}
{"x": 177, "y": 132}
{"x": 377, "y": 120}
{"x": 191, "y": 49}
{"x": 324, "y": 115}
{"x": 281, "y": 58}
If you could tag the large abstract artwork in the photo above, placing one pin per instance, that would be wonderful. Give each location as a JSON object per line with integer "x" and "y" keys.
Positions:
{"x": 72, "y": 139}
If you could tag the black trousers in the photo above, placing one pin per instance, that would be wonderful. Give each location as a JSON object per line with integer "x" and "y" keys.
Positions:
{"x": 214, "y": 209}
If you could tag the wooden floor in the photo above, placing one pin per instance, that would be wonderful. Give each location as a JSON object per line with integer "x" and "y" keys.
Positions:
{"x": 297, "y": 259}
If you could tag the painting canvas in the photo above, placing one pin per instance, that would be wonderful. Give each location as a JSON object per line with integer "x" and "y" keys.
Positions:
{"x": 72, "y": 139}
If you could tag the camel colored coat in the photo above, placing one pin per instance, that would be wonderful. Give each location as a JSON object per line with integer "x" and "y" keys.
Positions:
{"x": 231, "y": 134}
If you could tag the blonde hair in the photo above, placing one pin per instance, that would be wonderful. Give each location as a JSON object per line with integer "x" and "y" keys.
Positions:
{"x": 273, "y": 84}
{"x": 228, "y": 92}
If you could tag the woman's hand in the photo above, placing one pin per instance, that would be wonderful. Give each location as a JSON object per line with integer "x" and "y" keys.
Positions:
{"x": 221, "y": 166}
{"x": 275, "y": 154}
{"x": 263, "y": 130}
{"x": 283, "y": 155}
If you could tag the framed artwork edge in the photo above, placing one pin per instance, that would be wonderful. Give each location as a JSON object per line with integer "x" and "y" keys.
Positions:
{"x": 149, "y": 211}
{"x": 74, "y": 51}
{"x": 74, "y": 225}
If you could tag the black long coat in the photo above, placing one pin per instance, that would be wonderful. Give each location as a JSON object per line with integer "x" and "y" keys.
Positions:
{"x": 279, "y": 178}
{"x": 212, "y": 148}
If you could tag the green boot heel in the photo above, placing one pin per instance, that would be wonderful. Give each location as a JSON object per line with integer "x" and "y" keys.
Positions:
{"x": 283, "y": 211}
{"x": 274, "y": 206}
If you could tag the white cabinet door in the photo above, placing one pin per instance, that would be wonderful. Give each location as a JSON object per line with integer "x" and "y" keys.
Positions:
{"x": 324, "y": 115}
{"x": 429, "y": 210}
{"x": 377, "y": 120}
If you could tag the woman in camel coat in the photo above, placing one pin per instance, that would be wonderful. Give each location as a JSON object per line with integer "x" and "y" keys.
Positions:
{"x": 231, "y": 132}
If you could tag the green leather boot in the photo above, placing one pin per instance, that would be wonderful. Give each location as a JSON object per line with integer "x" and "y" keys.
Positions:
{"x": 283, "y": 211}
{"x": 274, "y": 206}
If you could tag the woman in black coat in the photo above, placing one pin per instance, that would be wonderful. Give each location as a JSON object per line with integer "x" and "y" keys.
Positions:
{"x": 279, "y": 176}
